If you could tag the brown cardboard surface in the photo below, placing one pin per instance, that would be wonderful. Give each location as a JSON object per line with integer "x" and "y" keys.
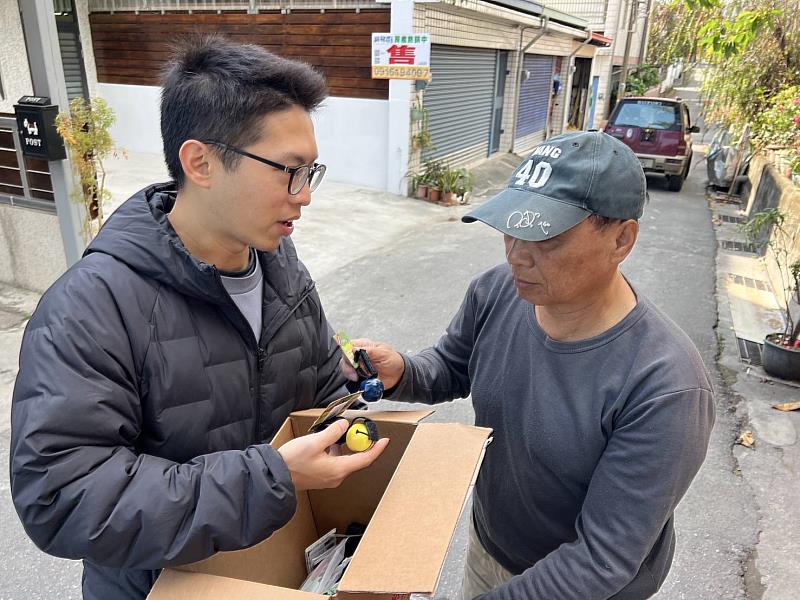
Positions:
{"x": 416, "y": 490}
{"x": 394, "y": 416}
{"x": 408, "y": 537}
{"x": 285, "y": 433}
{"x": 356, "y": 499}
{"x": 179, "y": 585}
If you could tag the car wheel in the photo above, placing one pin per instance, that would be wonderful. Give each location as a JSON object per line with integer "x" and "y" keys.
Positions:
{"x": 674, "y": 183}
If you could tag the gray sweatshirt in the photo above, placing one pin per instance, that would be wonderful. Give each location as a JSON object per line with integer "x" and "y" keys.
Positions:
{"x": 595, "y": 442}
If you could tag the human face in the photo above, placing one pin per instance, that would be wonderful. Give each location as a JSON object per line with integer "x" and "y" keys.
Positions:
{"x": 567, "y": 270}
{"x": 252, "y": 202}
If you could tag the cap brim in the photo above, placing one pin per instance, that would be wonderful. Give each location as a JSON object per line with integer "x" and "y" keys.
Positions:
{"x": 527, "y": 215}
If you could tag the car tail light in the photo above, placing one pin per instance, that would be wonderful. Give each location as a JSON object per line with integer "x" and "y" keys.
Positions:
{"x": 681, "y": 146}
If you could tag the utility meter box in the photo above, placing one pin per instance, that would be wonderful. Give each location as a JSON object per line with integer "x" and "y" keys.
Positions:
{"x": 36, "y": 123}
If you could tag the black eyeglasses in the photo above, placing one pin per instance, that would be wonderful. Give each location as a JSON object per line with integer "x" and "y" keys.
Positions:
{"x": 298, "y": 176}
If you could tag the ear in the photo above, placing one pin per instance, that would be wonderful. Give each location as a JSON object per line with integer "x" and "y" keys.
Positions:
{"x": 198, "y": 163}
{"x": 625, "y": 239}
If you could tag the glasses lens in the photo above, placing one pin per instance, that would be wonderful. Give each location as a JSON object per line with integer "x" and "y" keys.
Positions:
{"x": 316, "y": 177}
{"x": 298, "y": 180}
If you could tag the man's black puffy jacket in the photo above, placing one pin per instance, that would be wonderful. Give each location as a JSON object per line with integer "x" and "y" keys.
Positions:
{"x": 143, "y": 403}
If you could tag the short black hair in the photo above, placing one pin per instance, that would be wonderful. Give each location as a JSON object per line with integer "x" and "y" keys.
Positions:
{"x": 216, "y": 89}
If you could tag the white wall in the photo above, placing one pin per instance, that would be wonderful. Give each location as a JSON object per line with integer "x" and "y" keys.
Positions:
{"x": 14, "y": 69}
{"x": 351, "y": 132}
{"x": 137, "y": 127}
{"x": 352, "y": 135}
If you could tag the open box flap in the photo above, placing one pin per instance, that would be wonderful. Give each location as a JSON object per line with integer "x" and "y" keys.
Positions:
{"x": 182, "y": 585}
{"x": 394, "y": 416}
{"x": 406, "y": 542}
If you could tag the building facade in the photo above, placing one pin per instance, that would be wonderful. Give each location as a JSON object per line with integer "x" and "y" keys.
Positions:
{"x": 506, "y": 74}
{"x": 482, "y": 99}
{"x": 622, "y": 24}
{"x": 32, "y": 253}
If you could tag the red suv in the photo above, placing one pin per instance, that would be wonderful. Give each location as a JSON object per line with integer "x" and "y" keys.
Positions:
{"x": 659, "y": 132}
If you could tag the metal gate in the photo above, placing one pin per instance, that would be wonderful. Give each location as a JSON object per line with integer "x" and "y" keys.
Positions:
{"x": 459, "y": 101}
{"x": 534, "y": 101}
{"x": 23, "y": 181}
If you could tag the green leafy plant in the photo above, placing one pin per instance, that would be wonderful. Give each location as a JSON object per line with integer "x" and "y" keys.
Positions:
{"x": 431, "y": 172}
{"x": 642, "y": 79}
{"x": 449, "y": 179}
{"x": 422, "y": 140}
{"x": 754, "y": 49}
{"x": 456, "y": 182}
{"x": 85, "y": 130}
{"x": 779, "y": 124}
{"x": 731, "y": 37}
{"x": 794, "y": 163}
{"x": 769, "y": 231}
{"x": 466, "y": 182}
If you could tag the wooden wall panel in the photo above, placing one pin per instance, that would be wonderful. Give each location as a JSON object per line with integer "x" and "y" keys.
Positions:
{"x": 132, "y": 49}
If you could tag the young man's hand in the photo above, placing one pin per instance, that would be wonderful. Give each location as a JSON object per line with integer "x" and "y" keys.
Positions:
{"x": 386, "y": 359}
{"x": 311, "y": 466}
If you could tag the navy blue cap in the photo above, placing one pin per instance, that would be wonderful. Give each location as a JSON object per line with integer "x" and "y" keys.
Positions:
{"x": 562, "y": 182}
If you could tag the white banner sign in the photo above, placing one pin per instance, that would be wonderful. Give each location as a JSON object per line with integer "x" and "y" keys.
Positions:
{"x": 401, "y": 56}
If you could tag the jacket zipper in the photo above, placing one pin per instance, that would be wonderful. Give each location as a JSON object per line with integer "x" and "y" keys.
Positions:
{"x": 261, "y": 358}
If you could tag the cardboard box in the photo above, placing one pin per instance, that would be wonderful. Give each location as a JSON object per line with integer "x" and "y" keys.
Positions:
{"x": 411, "y": 498}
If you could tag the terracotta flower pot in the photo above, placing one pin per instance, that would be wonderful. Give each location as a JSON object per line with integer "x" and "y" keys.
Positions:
{"x": 434, "y": 194}
{"x": 422, "y": 192}
{"x": 448, "y": 199}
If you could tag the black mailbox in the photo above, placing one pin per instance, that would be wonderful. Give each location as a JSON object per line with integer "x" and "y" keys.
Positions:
{"x": 36, "y": 123}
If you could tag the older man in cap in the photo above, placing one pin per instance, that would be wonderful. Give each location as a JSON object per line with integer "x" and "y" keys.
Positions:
{"x": 601, "y": 406}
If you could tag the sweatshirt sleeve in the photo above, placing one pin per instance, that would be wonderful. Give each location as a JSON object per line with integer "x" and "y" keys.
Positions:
{"x": 77, "y": 482}
{"x": 652, "y": 456}
{"x": 441, "y": 373}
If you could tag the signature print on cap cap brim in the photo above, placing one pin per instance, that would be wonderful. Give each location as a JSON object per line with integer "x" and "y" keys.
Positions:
{"x": 527, "y": 215}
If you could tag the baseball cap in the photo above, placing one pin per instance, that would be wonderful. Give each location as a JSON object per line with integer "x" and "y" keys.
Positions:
{"x": 563, "y": 181}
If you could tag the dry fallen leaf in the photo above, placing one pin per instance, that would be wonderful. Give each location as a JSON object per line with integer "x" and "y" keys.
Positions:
{"x": 787, "y": 406}
{"x": 746, "y": 439}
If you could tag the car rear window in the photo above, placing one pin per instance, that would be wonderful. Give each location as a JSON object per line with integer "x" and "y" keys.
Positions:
{"x": 648, "y": 114}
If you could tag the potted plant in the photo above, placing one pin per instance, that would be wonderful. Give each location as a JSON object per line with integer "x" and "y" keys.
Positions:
{"x": 420, "y": 185}
{"x": 85, "y": 130}
{"x": 465, "y": 184}
{"x": 448, "y": 183}
{"x": 769, "y": 231}
{"x": 430, "y": 177}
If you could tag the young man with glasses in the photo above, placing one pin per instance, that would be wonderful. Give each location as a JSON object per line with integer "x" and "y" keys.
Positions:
{"x": 154, "y": 372}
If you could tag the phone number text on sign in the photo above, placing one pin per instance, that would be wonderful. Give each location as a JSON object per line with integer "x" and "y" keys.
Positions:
{"x": 400, "y": 72}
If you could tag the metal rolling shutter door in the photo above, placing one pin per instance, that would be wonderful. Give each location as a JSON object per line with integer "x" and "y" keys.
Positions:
{"x": 534, "y": 96}
{"x": 459, "y": 102}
